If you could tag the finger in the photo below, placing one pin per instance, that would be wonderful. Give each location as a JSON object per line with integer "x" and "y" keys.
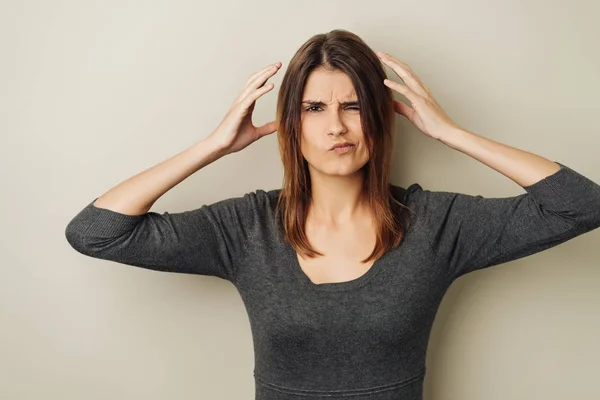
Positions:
{"x": 267, "y": 128}
{"x": 404, "y": 90}
{"x": 261, "y": 72}
{"x": 260, "y": 77}
{"x": 247, "y": 88}
{"x": 258, "y": 81}
{"x": 408, "y": 76}
{"x": 268, "y": 67}
{"x": 251, "y": 98}
{"x": 404, "y": 109}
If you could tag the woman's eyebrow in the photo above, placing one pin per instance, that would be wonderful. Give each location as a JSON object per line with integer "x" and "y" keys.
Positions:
{"x": 321, "y": 103}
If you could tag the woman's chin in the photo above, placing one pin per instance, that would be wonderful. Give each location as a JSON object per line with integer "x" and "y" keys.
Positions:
{"x": 341, "y": 172}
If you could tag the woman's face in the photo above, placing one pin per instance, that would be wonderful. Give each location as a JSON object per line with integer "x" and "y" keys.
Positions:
{"x": 330, "y": 115}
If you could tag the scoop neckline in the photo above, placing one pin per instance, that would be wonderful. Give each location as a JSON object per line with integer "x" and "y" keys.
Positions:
{"x": 331, "y": 286}
{"x": 306, "y": 282}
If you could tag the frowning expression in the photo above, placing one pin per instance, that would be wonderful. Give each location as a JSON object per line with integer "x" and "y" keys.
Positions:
{"x": 331, "y": 115}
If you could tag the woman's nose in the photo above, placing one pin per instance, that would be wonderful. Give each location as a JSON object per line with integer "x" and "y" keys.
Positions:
{"x": 336, "y": 125}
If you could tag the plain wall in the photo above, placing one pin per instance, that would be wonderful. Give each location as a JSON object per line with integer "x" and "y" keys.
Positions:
{"x": 93, "y": 92}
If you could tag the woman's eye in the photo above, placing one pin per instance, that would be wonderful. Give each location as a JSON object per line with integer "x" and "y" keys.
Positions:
{"x": 312, "y": 108}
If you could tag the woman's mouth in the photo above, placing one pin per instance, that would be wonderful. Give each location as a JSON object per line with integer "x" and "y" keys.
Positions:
{"x": 344, "y": 149}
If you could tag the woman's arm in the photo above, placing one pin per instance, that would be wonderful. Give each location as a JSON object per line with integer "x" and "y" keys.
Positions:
{"x": 118, "y": 226}
{"x": 136, "y": 195}
{"x": 523, "y": 167}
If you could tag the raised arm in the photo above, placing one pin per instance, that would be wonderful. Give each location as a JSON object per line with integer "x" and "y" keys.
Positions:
{"x": 471, "y": 232}
{"x": 118, "y": 226}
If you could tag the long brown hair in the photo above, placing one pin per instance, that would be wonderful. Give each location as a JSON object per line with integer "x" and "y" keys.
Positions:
{"x": 339, "y": 50}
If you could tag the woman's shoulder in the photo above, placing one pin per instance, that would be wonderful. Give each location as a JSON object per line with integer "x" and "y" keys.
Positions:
{"x": 400, "y": 193}
{"x": 405, "y": 194}
{"x": 263, "y": 200}
{"x": 410, "y": 194}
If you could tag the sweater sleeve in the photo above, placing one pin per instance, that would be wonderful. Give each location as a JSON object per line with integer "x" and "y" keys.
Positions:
{"x": 473, "y": 232}
{"x": 205, "y": 241}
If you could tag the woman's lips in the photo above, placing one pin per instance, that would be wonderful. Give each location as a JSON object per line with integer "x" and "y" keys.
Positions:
{"x": 343, "y": 149}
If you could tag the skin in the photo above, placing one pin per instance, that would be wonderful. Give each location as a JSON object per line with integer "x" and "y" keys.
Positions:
{"x": 522, "y": 167}
{"x": 338, "y": 222}
{"x": 336, "y": 179}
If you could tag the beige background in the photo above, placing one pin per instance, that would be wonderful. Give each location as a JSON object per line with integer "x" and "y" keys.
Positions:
{"x": 92, "y": 92}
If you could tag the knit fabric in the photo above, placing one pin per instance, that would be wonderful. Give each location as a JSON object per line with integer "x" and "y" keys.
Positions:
{"x": 360, "y": 339}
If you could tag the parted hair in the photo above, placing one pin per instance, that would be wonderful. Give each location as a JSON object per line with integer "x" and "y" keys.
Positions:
{"x": 344, "y": 51}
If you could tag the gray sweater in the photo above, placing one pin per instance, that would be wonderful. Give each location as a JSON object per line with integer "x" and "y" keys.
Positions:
{"x": 361, "y": 339}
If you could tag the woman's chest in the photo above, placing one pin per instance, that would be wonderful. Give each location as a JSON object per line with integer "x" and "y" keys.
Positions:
{"x": 343, "y": 251}
{"x": 340, "y": 262}
{"x": 395, "y": 296}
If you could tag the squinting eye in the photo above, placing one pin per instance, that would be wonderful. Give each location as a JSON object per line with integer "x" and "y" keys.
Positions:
{"x": 310, "y": 109}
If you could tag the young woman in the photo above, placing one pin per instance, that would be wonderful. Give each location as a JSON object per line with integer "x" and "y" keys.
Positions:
{"x": 340, "y": 271}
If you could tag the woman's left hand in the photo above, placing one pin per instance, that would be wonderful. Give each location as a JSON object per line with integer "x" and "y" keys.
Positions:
{"x": 424, "y": 112}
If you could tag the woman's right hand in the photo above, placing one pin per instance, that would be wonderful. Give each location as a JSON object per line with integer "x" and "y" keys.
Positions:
{"x": 236, "y": 131}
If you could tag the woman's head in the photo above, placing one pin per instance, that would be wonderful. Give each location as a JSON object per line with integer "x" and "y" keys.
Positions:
{"x": 332, "y": 92}
{"x": 333, "y": 68}
{"x": 330, "y": 114}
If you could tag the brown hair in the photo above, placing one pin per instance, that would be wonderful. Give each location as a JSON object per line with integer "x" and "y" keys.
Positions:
{"x": 345, "y": 51}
